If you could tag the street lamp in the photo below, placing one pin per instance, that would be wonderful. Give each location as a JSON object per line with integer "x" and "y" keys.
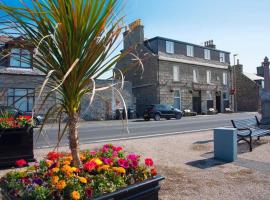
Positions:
{"x": 234, "y": 82}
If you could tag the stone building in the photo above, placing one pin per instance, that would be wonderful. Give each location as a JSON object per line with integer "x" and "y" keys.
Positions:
{"x": 247, "y": 90}
{"x": 19, "y": 81}
{"x": 168, "y": 71}
{"x": 106, "y": 102}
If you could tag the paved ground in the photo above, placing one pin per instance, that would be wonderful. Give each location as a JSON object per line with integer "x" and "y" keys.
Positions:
{"x": 186, "y": 162}
{"x": 104, "y": 130}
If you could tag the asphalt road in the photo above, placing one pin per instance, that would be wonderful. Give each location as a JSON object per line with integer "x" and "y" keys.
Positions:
{"x": 110, "y": 130}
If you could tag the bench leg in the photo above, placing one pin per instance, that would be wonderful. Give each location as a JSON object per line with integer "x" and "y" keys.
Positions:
{"x": 250, "y": 143}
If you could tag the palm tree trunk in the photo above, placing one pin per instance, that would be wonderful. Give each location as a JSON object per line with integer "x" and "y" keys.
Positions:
{"x": 74, "y": 139}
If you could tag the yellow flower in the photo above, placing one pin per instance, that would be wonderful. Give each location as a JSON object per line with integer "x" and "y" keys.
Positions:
{"x": 55, "y": 170}
{"x": 97, "y": 161}
{"x": 82, "y": 179}
{"x": 66, "y": 169}
{"x": 31, "y": 168}
{"x": 104, "y": 167}
{"x": 74, "y": 169}
{"x": 120, "y": 170}
{"x": 75, "y": 195}
{"x": 61, "y": 185}
{"x": 55, "y": 180}
{"x": 22, "y": 174}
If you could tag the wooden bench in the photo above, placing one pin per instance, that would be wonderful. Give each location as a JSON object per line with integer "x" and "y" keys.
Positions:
{"x": 249, "y": 128}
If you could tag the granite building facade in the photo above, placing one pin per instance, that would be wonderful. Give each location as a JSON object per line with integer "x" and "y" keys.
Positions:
{"x": 168, "y": 71}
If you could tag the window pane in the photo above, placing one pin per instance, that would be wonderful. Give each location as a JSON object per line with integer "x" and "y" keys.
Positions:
{"x": 177, "y": 93}
{"x": 20, "y": 92}
{"x": 16, "y": 51}
{"x": 21, "y": 103}
{"x": 10, "y": 92}
{"x": 30, "y": 103}
{"x": 190, "y": 51}
{"x": 15, "y": 60}
{"x": 195, "y": 76}
{"x": 10, "y": 101}
{"x": 169, "y": 47}
{"x": 25, "y": 51}
{"x": 175, "y": 73}
{"x": 25, "y": 61}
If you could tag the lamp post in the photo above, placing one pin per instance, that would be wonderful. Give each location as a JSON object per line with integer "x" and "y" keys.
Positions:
{"x": 234, "y": 82}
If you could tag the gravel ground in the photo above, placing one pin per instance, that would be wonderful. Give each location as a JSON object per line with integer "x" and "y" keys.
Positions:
{"x": 191, "y": 175}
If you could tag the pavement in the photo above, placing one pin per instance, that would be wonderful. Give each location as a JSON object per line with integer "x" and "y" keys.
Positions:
{"x": 110, "y": 130}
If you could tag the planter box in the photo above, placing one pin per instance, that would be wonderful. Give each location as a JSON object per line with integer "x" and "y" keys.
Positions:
{"x": 15, "y": 144}
{"x": 146, "y": 190}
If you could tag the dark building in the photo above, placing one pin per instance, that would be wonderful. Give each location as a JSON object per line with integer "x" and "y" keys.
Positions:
{"x": 164, "y": 70}
{"x": 247, "y": 90}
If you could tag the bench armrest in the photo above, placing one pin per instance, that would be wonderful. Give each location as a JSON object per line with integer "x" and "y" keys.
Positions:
{"x": 244, "y": 129}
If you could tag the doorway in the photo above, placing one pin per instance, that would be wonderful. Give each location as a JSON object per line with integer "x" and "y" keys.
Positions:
{"x": 196, "y": 102}
{"x": 218, "y": 102}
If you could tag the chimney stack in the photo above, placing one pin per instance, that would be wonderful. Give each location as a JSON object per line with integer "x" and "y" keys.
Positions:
{"x": 134, "y": 34}
{"x": 210, "y": 44}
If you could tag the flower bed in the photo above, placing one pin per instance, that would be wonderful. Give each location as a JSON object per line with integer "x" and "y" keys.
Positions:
{"x": 11, "y": 122}
{"x": 104, "y": 171}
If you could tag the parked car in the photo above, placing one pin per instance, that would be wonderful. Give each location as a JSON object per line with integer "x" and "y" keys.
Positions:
{"x": 15, "y": 112}
{"x": 157, "y": 111}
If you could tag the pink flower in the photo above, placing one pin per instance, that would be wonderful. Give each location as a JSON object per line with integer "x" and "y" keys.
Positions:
{"x": 117, "y": 149}
{"x": 132, "y": 157}
{"x": 92, "y": 153}
{"x": 107, "y": 161}
{"x": 134, "y": 163}
{"x": 123, "y": 163}
{"x": 149, "y": 162}
{"x": 21, "y": 163}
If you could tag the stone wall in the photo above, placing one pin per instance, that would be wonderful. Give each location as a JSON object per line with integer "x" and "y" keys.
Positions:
{"x": 247, "y": 92}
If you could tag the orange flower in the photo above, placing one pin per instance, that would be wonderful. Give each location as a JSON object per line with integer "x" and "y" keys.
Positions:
{"x": 55, "y": 170}
{"x": 75, "y": 195}
{"x": 66, "y": 169}
{"x": 97, "y": 161}
{"x": 66, "y": 162}
{"x": 61, "y": 185}
{"x": 82, "y": 157}
{"x": 55, "y": 180}
{"x": 49, "y": 163}
{"x": 120, "y": 170}
{"x": 104, "y": 167}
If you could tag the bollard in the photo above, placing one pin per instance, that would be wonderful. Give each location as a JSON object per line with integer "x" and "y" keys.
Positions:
{"x": 225, "y": 144}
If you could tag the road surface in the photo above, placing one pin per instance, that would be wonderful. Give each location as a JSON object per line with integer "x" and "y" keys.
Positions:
{"x": 109, "y": 130}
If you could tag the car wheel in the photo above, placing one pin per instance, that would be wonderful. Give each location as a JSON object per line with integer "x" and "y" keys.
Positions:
{"x": 146, "y": 118}
{"x": 157, "y": 117}
{"x": 35, "y": 122}
{"x": 168, "y": 118}
{"x": 178, "y": 116}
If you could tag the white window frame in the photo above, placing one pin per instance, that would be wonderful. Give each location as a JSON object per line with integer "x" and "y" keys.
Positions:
{"x": 190, "y": 51}
{"x": 225, "y": 78}
{"x": 222, "y": 57}
{"x": 208, "y": 76}
{"x": 207, "y": 54}
{"x": 209, "y": 95}
{"x": 170, "y": 47}
{"x": 176, "y": 73}
{"x": 195, "y": 75}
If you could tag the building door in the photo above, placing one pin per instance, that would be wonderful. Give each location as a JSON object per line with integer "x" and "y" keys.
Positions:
{"x": 177, "y": 100}
{"x": 218, "y": 102}
{"x": 196, "y": 101}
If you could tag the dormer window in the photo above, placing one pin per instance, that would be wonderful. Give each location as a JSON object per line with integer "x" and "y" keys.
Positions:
{"x": 169, "y": 47}
{"x": 190, "y": 51}
{"x": 207, "y": 54}
{"x": 20, "y": 58}
{"x": 222, "y": 57}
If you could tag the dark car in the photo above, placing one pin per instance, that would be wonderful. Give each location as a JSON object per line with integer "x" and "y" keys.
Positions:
{"x": 158, "y": 111}
{"x": 15, "y": 112}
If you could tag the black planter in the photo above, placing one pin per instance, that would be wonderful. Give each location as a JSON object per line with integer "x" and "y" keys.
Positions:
{"x": 147, "y": 190}
{"x": 15, "y": 144}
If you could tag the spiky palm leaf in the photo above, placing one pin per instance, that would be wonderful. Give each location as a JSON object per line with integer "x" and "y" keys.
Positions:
{"x": 74, "y": 39}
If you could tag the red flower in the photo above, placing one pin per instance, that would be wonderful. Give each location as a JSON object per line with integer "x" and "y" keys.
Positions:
{"x": 89, "y": 192}
{"x": 149, "y": 162}
{"x": 21, "y": 163}
{"x": 25, "y": 117}
{"x": 53, "y": 155}
{"x": 153, "y": 172}
{"x": 90, "y": 166}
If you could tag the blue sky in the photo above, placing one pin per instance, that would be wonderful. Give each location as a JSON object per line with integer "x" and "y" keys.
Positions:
{"x": 237, "y": 26}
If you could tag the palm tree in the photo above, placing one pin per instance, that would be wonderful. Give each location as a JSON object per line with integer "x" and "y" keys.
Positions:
{"x": 74, "y": 41}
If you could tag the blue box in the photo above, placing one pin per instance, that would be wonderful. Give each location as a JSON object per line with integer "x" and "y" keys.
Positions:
{"x": 225, "y": 144}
